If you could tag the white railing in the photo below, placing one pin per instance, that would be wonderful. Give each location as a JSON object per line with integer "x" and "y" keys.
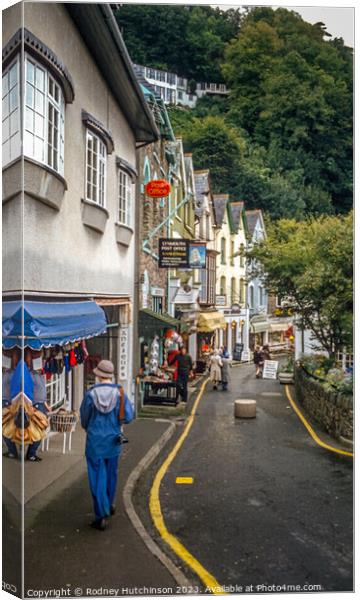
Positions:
{"x": 56, "y": 390}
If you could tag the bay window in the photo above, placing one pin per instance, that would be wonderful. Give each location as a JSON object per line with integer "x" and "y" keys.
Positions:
{"x": 44, "y": 115}
{"x": 11, "y": 113}
{"x": 95, "y": 169}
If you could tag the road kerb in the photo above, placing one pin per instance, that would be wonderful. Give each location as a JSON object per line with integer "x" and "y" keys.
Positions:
{"x": 131, "y": 482}
{"x": 156, "y": 512}
{"x": 310, "y": 429}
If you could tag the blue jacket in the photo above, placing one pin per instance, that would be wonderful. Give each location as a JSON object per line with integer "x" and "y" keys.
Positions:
{"x": 99, "y": 413}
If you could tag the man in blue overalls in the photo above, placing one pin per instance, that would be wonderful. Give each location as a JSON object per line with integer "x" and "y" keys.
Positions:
{"x": 103, "y": 410}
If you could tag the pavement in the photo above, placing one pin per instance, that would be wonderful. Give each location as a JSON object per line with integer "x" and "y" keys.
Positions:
{"x": 63, "y": 552}
{"x": 268, "y": 506}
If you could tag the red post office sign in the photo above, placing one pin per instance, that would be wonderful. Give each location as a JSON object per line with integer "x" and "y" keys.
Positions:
{"x": 157, "y": 188}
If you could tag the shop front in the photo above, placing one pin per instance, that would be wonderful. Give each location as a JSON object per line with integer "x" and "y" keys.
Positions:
{"x": 209, "y": 326}
{"x": 259, "y": 328}
{"x": 280, "y": 331}
{"x": 52, "y": 338}
{"x": 115, "y": 343}
{"x": 159, "y": 342}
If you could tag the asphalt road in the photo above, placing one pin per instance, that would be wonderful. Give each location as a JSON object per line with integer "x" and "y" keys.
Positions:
{"x": 267, "y": 506}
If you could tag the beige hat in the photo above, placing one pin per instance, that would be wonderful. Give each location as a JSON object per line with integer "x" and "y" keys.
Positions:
{"x": 104, "y": 369}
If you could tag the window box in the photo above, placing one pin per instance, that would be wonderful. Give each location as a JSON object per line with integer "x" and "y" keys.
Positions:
{"x": 40, "y": 182}
{"x": 123, "y": 234}
{"x": 94, "y": 215}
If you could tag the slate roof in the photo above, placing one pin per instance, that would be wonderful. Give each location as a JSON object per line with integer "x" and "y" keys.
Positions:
{"x": 252, "y": 217}
{"x": 202, "y": 189}
{"x": 235, "y": 213}
{"x": 220, "y": 201}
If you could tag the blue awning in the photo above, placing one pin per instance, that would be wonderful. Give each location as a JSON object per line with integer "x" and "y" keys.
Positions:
{"x": 50, "y": 323}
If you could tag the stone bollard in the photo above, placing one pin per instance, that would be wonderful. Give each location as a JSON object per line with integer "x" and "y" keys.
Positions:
{"x": 245, "y": 409}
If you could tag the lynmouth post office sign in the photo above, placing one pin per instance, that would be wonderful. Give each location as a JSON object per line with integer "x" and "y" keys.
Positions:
{"x": 181, "y": 254}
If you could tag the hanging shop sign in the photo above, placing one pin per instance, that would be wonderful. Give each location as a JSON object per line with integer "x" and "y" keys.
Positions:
{"x": 181, "y": 254}
{"x": 157, "y": 188}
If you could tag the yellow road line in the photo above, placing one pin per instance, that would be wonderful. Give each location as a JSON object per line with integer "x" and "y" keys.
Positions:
{"x": 156, "y": 513}
{"x": 184, "y": 480}
{"x": 310, "y": 429}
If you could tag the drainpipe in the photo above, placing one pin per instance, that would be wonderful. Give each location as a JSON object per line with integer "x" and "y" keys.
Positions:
{"x": 136, "y": 303}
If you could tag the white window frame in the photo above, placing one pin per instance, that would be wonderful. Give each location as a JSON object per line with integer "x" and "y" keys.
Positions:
{"x": 11, "y": 117}
{"x": 44, "y": 104}
{"x": 98, "y": 170}
{"x": 125, "y": 198}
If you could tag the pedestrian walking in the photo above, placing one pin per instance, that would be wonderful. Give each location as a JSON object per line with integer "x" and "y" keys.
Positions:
{"x": 184, "y": 369}
{"x": 104, "y": 409}
{"x": 258, "y": 361}
{"x": 265, "y": 353}
{"x": 215, "y": 369}
{"x": 225, "y": 370}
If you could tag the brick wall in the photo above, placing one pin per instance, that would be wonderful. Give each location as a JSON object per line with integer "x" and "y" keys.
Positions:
{"x": 152, "y": 213}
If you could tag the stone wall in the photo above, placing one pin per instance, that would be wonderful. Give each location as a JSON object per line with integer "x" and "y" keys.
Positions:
{"x": 332, "y": 411}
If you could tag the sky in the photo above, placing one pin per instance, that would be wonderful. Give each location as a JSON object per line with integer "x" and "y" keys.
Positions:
{"x": 339, "y": 20}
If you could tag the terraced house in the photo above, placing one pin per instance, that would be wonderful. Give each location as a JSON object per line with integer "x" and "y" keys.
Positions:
{"x": 84, "y": 115}
{"x": 231, "y": 290}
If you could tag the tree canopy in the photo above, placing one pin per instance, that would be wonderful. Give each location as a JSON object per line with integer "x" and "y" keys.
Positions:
{"x": 291, "y": 90}
{"x": 311, "y": 264}
{"x": 288, "y": 119}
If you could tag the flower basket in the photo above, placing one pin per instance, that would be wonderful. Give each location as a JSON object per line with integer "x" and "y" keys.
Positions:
{"x": 63, "y": 422}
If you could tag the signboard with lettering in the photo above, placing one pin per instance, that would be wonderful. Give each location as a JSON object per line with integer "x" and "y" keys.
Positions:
{"x": 181, "y": 254}
{"x": 157, "y": 188}
{"x": 270, "y": 369}
{"x": 220, "y": 300}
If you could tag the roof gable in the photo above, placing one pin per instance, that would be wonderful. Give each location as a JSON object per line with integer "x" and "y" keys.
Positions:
{"x": 202, "y": 189}
{"x": 220, "y": 202}
{"x": 235, "y": 210}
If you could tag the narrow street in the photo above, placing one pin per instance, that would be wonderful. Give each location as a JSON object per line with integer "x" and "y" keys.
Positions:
{"x": 267, "y": 506}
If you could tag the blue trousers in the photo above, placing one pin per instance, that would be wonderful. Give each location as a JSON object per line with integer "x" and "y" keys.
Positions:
{"x": 102, "y": 473}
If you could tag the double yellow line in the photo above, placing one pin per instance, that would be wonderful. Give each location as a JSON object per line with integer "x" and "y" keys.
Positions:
{"x": 156, "y": 513}
{"x": 310, "y": 429}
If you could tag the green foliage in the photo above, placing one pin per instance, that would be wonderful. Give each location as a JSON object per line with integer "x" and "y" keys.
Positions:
{"x": 290, "y": 106}
{"x": 311, "y": 262}
{"x": 188, "y": 40}
{"x": 292, "y": 91}
{"x": 217, "y": 147}
{"x": 328, "y": 373}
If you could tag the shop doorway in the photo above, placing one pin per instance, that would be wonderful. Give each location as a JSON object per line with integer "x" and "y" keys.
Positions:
{"x": 103, "y": 346}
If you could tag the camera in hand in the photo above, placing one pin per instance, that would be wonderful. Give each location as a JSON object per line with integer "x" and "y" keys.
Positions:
{"x": 121, "y": 439}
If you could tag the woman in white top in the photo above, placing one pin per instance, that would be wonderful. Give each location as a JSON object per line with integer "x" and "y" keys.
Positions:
{"x": 215, "y": 369}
